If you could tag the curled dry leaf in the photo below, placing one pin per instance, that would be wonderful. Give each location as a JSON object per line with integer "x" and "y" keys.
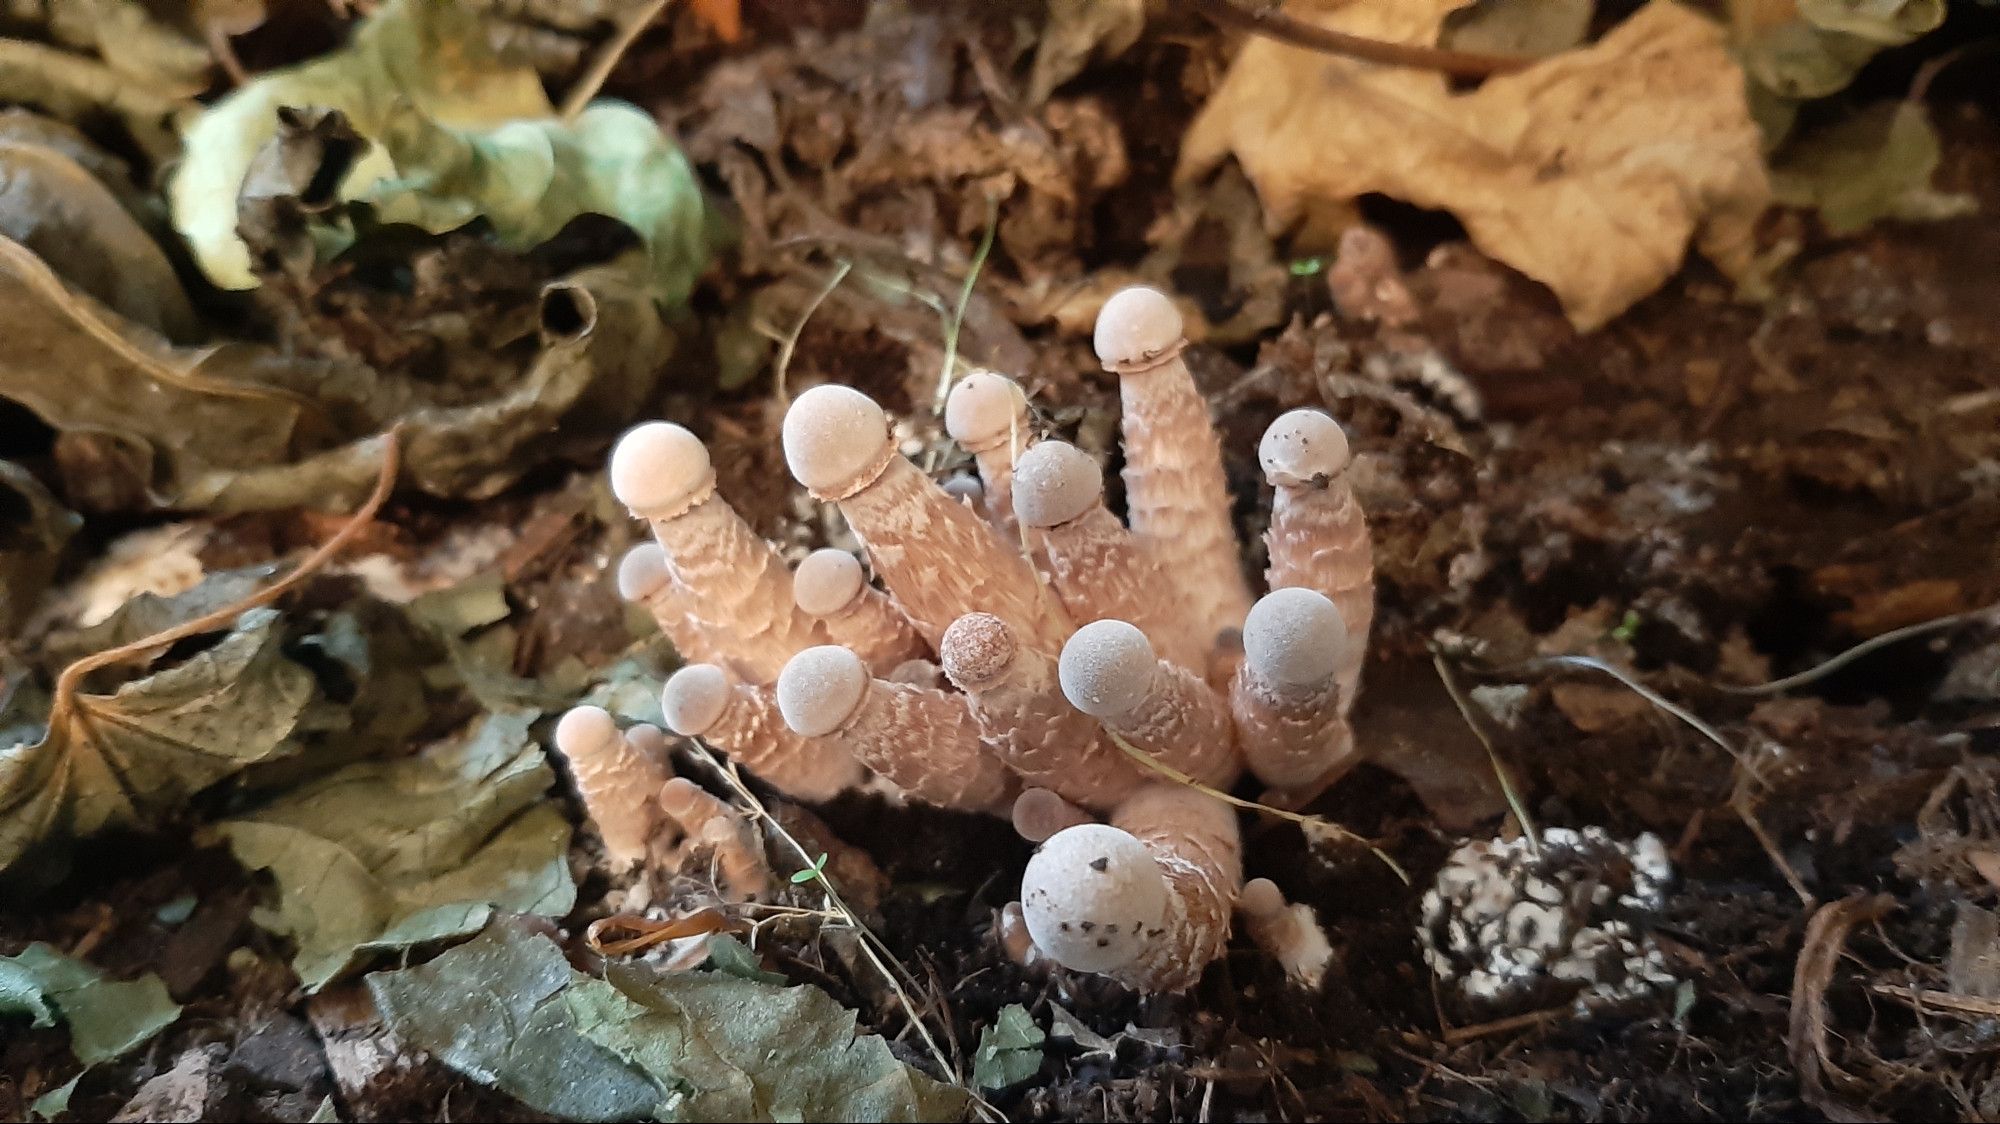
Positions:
{"x": 76, "y": 89}
{"x": 1589, "y": 171}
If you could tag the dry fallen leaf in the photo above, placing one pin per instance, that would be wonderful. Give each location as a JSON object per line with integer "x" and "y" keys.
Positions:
{"x": 1589, "y": 171}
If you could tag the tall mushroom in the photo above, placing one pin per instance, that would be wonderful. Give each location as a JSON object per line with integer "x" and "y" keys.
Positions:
{"x": 645, "y": 579}
{"x": 617, "y": 782}
{"x": 1109, "y": 671}
{"x": 830, "y": 587}
{"x": 987, "y": 414}
{"x": 1319, "y": 535}
{"x": 704, "y": 701}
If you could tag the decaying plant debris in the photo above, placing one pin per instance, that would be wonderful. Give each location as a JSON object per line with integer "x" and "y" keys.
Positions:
{"x": 1661, "y": 335}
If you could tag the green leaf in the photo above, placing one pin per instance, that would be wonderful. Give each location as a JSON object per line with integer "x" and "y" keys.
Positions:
{"x": 55, "y": 1102}
{"x": 730, "y": 956}
{"x": 325, "y": 1113}
{"x": 131, "y": 759}
{"x": 383, "y": 855}
{"x": 1010, "y": 1051}
{"x": 1874, "y": 165}
{"x": 431, "y": 54}
{"x": 731, "y": 1049}
{"x": 529, "y": 178}
{"x": 494, "y": 1009}
{"x": 801, "y": 877}
{"x": 106, "y": 1018}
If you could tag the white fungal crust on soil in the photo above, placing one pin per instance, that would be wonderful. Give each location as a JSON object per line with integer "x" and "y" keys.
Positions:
{"x": 616, "y": 780}
{"x": 1504, "y": 929}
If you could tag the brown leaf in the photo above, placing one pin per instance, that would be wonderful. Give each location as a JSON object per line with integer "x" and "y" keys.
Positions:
{"x": 1826, "y": 934}
{"x": 1589, "y": 171}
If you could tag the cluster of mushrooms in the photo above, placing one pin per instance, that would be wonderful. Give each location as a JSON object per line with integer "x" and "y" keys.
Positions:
{"x": 1028, "y": 653}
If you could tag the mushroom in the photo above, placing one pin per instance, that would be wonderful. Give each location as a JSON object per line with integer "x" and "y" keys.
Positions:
{"x": 1319, "y": 535}
{"x": 704, "y": 701}
{"x": 1109, "y": 671}
{"x": 713, "y": 826}
{"x": 1039, "y": 813}
{"x": 738, "y": 586}
{"x": 1366, "y": 282}
{"x": 1145, "y": 899}
{"x": 615, "y": 779}
{"x": 1289, "y": 933}
{"x": 1286, "y": 699}
{"x": 1014, "y": 694}
{"x": 644, "y": 578}
{"x": 987, "y": 414}
{"x": 922, "y": 739}
{"x": 938, "y": 559}
{"x": 830, "y": 587}
{"x": 1096, "y": 566}
{"x": 1177, "y": 497}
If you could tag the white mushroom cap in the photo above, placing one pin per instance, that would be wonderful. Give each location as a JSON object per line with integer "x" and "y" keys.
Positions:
{"x": 1136, "y": 326}
{"x": 820, "y": 689}
{"x": 1107, "y": 668}
{"x": 976, "y": 650}
{"x": 1260, "y": 897}
{"x": 1054, "y": 482}
{"x": 826, "y": 582}
{"x": 586, "y": 730}
{"x": 1301, "y": 446}
{"x": 660, "y": 469}
{"x": 647, "y": 739}
{"x": 1090, "y": 896}
{"x": 984, "y": 409}
{"x": 643, "y": 571}
{"x": 1294, "y": 638}
{"x": 835, "y": 438}
{"x": 694, "y": 697}
{"x": 1039, "y": 813}
{"x": 965, "y": 488}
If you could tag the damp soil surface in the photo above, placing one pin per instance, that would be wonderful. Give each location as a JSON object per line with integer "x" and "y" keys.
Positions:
{"x": 1709, "y": 494}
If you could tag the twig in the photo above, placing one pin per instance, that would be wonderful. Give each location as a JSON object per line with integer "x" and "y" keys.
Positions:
{"x": 1456, "y": 1035}
{"x": 957, "y": 319}
{"x": 648, "y": 932}
{"x": 869, "y": 942}
{"x": 1314, "y": 826}
{"x": 1874, "y": 644}
{"x": 71, "y": 679}
{"x": 1923, "y": 998}
{"x": 790, "y": 343}
{"x": 600, "y": 68}
{"x": 1271, "y": 23}
{"x": 1500, "y": 770}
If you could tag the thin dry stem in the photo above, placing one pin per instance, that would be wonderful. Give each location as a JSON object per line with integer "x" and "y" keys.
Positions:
{"x": 600, "y": 68}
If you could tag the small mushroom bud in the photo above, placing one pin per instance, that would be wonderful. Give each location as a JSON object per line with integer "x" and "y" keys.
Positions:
{"x": 1012, "y": 929}
{"x": 966, "y": 490}
{"x": 1290, "y": 717}
{"x": 644, "y": 578}
{"x": 1144, "y": 900}
{"x": 711, "y": 825}
{"x": 648, "y": 741}
{"x": 922, "y": 739}
{"x": 615, "y": 781}
{"x": 738, "y": 586}
{"x": 938, "y": 559}
{"x": 1110, "y": 672}
{"x": 1014, "y": 694}
{"x": 1289, "y": 933}
{"x": 704, "y": 701}
{"x": 987, "y": 414}
{"x": 1176, "y": 495}
{"x": 1319, "y": 535}
{"x": 830, "y": 587}
{"x": 1366, "y": 281}
{"x": 1096, "y": 566}
{"x": 1039, "y": 813}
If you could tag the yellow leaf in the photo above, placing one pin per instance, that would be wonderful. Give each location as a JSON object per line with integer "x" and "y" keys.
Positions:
{"x": 1589, "y": 171}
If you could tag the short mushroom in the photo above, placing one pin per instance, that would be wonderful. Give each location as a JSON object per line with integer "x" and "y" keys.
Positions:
{"x": 829, "y": 587}
{"x": 1109, "y": 671}
{"x": 615, "y": 780}
{"x": 705, "y": 701}
{"x": 1286, "y": 697}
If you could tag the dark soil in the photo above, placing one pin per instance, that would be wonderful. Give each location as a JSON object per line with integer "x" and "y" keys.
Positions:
{"x": 1711, "y": 492}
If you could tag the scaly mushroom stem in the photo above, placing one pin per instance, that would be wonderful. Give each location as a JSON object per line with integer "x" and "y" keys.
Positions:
{"x": 704, "y": 701}
{"x": 1177, "y": 496}
{"x": 645, "y": 579}
{"x": 1020, "y": 706}
{"x": 938, "y": 559}
{"x": 830, "y": 587}
{"x": 740, "y": 588}
{"x": 1290, "y": 933}
{"x": 1319, "y": 535}
{"x": 1039, "y": 813}
{"x": 1109, "y": 671}
{"x": 712, "y": 825}
{"x": 1286, "y": 698}
{"x": 1144, "y": 900}
{"x": 616, "y": 782}
{"x": 987, "y": 414}
{"x": 1097, "y": 567}
{"x": 922, "y": 739}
